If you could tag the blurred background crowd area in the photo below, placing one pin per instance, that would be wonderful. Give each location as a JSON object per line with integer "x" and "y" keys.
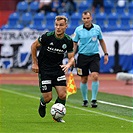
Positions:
{"x": 111, "y": 15}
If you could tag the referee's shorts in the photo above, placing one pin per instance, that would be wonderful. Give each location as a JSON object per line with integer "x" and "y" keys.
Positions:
{"x": 87, "y": 63}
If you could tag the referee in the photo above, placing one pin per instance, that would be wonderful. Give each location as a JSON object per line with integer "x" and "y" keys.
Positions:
{"x": 88, "y": 36}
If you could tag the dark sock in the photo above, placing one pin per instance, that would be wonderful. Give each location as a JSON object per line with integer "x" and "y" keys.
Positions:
{"x": 58, "y": 100}
{"x": 42, "y": 100}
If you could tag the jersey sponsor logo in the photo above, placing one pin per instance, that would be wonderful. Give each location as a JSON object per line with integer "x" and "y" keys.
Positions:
{"x": 64, "y": 46}
{"x": 44, "y": 87}
{"x": 79, "y": 71}
{"x": 61, "y": 78}
{"x": 46, "y": 82}
{"x": 55, "y": 50}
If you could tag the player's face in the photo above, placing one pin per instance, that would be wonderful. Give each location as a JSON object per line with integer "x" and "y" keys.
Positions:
{"x": 87, "y": 19}
{"x": 60, "y": 27}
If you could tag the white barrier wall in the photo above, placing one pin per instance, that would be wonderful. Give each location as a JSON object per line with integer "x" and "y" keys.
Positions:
{"x": 15, "y": 49}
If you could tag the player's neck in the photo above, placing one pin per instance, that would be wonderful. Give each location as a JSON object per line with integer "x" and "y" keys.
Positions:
{"x": 60, "y": 36}
{"x": 88, "y": 26}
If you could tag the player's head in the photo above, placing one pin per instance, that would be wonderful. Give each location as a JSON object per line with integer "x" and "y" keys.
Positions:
{"x": 87, "y": 18}
{"x": 60, "y": 25}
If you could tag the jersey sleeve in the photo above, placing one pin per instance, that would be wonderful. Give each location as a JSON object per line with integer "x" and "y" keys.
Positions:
{"x": 70, "y": 46}
{"x": 75, "y": 36}
{"x": 42, "y": 39}
{"x": 100, "y": 37}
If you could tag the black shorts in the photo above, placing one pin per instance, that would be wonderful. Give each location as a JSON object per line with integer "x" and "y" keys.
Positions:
{"x": 51, "y": 79}
{"x": 87, "y": 63}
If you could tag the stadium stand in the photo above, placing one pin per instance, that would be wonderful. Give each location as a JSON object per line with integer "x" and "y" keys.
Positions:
{"x": 110, "y": 19}
{"x": 84, "y": 5}
{"x": 50, "y": 17}
{"x": 108, "y": 6}
{"x": 26, "y": 19}
{"x": 38, "y": 18}
{"x": 75, "y": 19}
{"x": 22, "y": 7}
{"x": 125, "y": 19}
{"x": 13, "y": 19}
{"x": 130, "y": 7}
{"x": 100, "y": 18}
{"x": 33, "y": 7}
{"x": 113, "y": 19}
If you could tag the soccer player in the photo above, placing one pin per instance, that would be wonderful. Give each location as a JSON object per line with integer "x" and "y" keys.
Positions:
{"x": 88, "y": 36}
{"x": 49, "y": 65}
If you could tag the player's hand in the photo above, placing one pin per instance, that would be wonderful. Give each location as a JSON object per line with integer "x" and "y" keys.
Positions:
{"x": 65, "y": 67}
{"x": 106, "y": 59}
{"x": 35, "y": 68}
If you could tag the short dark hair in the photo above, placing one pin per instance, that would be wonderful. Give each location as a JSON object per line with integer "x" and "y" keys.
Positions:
{"x": 86, "y": 11}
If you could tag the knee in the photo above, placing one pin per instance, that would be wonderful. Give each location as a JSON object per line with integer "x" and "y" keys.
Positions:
{"x": 94, "y": 76}
{"x": 62, "y": 96}
{"x": 47, "y": 98}
{"x": 84, "y": 79}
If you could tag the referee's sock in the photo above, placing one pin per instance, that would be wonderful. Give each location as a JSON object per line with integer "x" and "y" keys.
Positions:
{"x": 95, "y": 86}
{"x": 84, "y": 91}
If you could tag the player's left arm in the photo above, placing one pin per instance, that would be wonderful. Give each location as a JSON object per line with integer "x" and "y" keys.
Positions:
{"x": 70, "y": 62}
{"x": 103, "y": 45}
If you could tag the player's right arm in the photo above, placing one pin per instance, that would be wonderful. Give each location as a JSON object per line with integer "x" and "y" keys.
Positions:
{"x": 34, "y": 47}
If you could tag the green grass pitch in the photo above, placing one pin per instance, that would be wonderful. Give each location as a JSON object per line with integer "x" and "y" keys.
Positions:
{"x": 19, "y": 113}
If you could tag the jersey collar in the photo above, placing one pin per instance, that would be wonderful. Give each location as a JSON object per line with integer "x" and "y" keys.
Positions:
{"x": 88, "y": 28}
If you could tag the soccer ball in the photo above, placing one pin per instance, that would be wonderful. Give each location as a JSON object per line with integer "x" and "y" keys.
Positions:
{"x": 58, "y": 110}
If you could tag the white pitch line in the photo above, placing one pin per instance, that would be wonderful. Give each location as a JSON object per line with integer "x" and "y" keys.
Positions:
{"x": 29, "y": 96}
{"x": 118, "y": 105}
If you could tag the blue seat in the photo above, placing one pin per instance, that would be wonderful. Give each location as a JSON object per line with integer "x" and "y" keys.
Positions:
{"x": 125, "y": 18}
{"x": 13, "y": 19}
{"x": 22, "y": 7}
{"x": 37, "y": 27}
{"x": 6, "y": 27}
{"x": 130, "y": 7}
{"x": 38, "y": 18}
{"x": 19, "y": 27}
{"x": 108, "y": 6}
{"x": 113, "y": 18}
{"x": 122, "y": 27}
{"x": 50, "y": 18}
{"x": 33, "y": 7}
{"x": 120, "y": 9}
{"x": 70, "y": 29}
{"x": 84, "y": 5}
{"x": 100, "y": 18}
{"x": 26, "y": 19}
{"x": 65, "y": 14}
{"x": 75, "y": 19}
{"x": 10, "y": 27}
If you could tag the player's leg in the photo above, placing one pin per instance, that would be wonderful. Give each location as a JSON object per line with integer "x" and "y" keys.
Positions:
{"x": 94, "y": 68}
{"x": 95, "y": 87}
{"x": 84, "y": 90}
{"x": 60, "y": 85}
{"x": 46, "y": 97}
{"x": 59, "y": 82}
{"x": 83, "y": 72}
{"x": 61, "y": 91}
